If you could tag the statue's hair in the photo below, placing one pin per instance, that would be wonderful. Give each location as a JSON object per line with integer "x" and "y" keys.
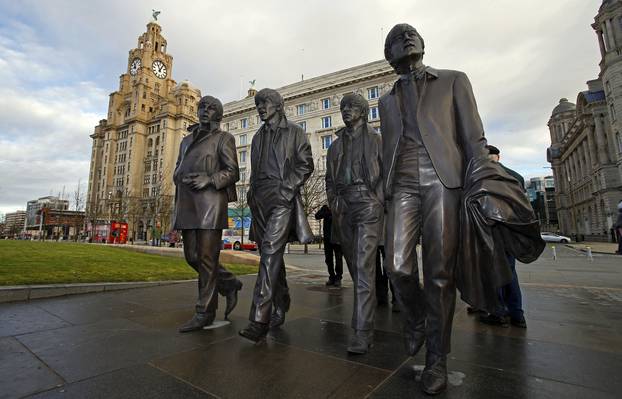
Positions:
{"x": 393, "y": 34}
{"x": 358, "y": 101}
{"x": 209, "y": 100}
{"x": 273, "y": 96}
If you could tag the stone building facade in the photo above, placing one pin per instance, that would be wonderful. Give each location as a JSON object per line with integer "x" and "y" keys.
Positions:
{"x": 14, "y": 223}
{"x": 134, "y": 150}
{"x": 586, "y": 143}
{"x": 314, "y": 105}
{"x": 33, "y": 208}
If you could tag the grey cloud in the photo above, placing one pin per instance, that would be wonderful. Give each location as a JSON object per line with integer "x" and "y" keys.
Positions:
{"x": 520, "y": 56}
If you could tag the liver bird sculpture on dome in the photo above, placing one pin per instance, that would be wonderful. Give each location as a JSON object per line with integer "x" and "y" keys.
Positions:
{"x": 155, "y": 14}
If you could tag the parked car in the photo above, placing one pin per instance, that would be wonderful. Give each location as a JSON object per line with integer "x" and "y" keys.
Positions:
{"x": 552, "y": 237}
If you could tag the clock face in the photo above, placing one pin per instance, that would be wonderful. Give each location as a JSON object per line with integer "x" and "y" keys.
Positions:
{"x": 135, "y": 66}
{"x": 159, "y": 69}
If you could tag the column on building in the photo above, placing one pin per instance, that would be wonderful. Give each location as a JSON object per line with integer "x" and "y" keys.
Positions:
{"x": 617, "y": 30}
{"x": 601, "y": 43}
{"x": 592, "y": 146}
{"x": 611, "y": 32}
{"x": 586, "y": 153}
{"x": 608, "y": 36}
{"x": 601, "y": 141}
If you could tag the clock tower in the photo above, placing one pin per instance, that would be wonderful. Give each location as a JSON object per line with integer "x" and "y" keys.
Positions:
{"x": 135, "y": 149}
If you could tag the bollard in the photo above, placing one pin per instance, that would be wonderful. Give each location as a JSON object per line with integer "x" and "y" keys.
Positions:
{"x": 554, "y": 252}
{"x": 589, "y": 254}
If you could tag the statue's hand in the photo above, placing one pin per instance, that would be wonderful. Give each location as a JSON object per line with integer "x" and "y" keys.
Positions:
{"x": 198, "y": 181}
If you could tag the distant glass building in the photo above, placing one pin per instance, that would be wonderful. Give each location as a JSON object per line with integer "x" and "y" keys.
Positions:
{"x": 34, "y": 206}
{"x": 541, "y": 193}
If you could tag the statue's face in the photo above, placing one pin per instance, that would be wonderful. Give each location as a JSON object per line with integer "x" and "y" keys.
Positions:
{"x": 266, "y": 109}
{"x": 407, "y": 45}
{"x": 351, "y": 113}
{"x": 206, "y": 113}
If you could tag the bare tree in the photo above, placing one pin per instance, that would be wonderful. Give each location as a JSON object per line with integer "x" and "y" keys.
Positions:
{"x": 78, "y": 202}
{"x": 95, "y": 211}
{"x": 78, "y": 197}
{"x": 158, "y": 205}
{"x": 313, "y": 194}
{"x": 133, "y": 211}
{"x": 240, "y": 210}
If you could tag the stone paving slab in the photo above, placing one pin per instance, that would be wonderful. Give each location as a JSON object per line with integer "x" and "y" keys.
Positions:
{"x": 125, "y": 344}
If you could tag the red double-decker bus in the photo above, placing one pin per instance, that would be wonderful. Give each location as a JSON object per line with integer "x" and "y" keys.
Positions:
{"x": 113, "y": 233}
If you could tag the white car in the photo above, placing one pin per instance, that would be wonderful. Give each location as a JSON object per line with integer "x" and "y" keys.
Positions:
{"x": 552, "y": 237}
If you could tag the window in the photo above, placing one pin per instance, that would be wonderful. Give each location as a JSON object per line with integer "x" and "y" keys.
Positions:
{"x": 325, "y": 103}
{"x": 227, "y": 126}
{"x": 243, "y": 139}
{"x": 373, "y": 113}
{"x": 323, "y": 162}
{"x": 243, "y": 174}
{"x": 300, "y": 109}
{"x": 242, "y": 156}
{"x": 613, "y": 111}
{"x": 326, "y": 122}
{"x": 146, "y": 180}
{"x": 326, "y": 141}
{"x": 303, "y": 125}
{"x": 244, "y": 123}
{"x": 372, "y": 92}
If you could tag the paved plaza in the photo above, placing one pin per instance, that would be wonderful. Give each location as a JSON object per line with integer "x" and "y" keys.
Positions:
{"x": 125, "y": 344}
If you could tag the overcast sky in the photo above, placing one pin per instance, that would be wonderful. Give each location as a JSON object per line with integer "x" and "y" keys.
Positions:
{"x": 59, "y": 60}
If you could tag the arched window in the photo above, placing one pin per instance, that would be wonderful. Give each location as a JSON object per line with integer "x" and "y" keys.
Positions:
{"x": 150, "y": 143}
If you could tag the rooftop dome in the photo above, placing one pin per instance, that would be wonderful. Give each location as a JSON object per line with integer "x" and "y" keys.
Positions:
{"x": 563, "y": 106}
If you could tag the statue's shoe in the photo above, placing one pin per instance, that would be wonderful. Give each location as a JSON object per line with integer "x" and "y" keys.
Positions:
{"x": 198, "y": 321}
{"x": 255, "y": 331}
{"x": 232, "y": 298}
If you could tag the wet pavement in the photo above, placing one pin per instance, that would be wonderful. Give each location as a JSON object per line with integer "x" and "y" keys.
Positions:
{"x": 125, "y": 344}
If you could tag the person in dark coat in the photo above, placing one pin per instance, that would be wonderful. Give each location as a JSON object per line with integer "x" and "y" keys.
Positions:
{"x": 354, "y": 192}
{"x": 334, "y": 265}
{"x": 430, "y": 130}
{"x": 205, "y": 177}
{"x": 281, "y": 162}
{"x": 510, "y": 297}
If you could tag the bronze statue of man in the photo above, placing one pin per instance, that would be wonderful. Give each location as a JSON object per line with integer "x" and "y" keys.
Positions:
{"x": 281, "y": 162}
{"x": 205, "y": 177}
{"x": 354, "y": 191}
{"x": 431, "y": 129}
